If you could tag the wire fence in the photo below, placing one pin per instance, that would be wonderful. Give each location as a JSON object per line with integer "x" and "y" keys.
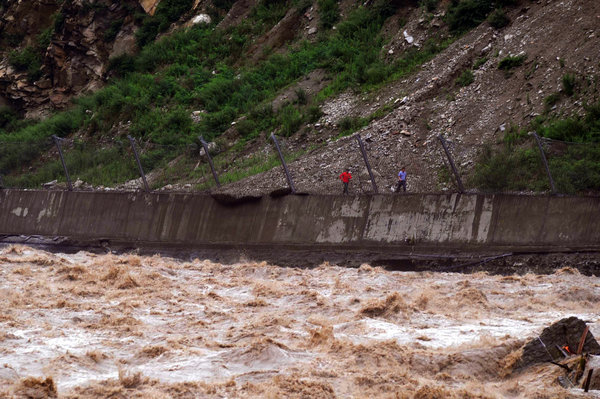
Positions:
{"x": 536, "y": 164}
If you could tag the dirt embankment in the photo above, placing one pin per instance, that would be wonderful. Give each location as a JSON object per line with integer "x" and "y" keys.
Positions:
{"x": 90, "y": 326}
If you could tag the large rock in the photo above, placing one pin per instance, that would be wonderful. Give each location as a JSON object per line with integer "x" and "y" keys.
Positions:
{"x": 78, "y": 53}
{"x": 564, "y": 332}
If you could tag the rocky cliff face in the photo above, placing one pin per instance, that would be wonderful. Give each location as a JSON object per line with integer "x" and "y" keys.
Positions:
{"x": 71, "y": 41}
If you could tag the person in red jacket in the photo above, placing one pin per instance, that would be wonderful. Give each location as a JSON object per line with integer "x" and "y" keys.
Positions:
{"x": 345, "y": 178}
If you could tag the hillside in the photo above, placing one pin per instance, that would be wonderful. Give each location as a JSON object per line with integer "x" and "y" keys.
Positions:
{"x": 481, "y": 73}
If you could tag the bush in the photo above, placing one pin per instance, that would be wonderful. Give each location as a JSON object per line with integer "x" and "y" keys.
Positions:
{"x": 290, "y": 119}
{"x": 24, "y": 60}
{"x": 301, "y": 96}
{"x": 113, "y": 30}
{"x": 329, "y": 13}
{"x": 551, "y": 100}
{"x": 511, "y": 62}
{"x": 479, "y": 62}
{"x": 466, "y": 14}
{"x": 121, "y": 65}
{"x": 429, "y": 5}
{"x": 465, "y": 78}
{"x": 167, "y": 12}
{"x": 7, "y": 116}
{"x": 314, "y": 113}
{"x": 569, "y": 81}
{"x": 498, "y": 19}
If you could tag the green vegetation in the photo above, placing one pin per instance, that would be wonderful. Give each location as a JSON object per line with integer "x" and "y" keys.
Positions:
{"x": 465, "y": 78}
{"x": 113, "y": 30}
{"x": 167, "y": 12}
{"x": 498, "y": 19}
{"x": 479, "y": 62}
{"x": 29, "y": 59}
{"x": 429, "y": 5}
{"x": 511, "y": 62}
{"x": 551, "y": 100}
{"x": 329, "y": 12}
{"x": 575, "y": 165}
{"x": 569, "y": 81}
{"x": 203, "y": 68}
{"x": 463, "y": 15}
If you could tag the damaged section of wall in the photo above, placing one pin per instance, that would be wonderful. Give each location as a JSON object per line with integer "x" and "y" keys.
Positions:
{"x": 409, "y": 222}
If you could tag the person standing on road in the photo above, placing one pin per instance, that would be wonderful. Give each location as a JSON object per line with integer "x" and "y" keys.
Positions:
{"x": 345, "y": 177}
{"x": 401, "y": 180}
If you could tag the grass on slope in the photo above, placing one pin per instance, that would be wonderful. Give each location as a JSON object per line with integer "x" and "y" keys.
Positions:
{"x": 155, "y": 91}
{"x": 574, "y": 159}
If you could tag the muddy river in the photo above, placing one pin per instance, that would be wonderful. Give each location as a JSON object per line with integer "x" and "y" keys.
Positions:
{"x": 128, "y": 326}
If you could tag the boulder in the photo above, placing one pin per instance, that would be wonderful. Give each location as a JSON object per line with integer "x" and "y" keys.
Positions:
{"x": 565, "y": 332}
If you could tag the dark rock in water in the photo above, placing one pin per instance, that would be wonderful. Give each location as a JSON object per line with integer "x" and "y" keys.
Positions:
{"x": 564, "y": 332}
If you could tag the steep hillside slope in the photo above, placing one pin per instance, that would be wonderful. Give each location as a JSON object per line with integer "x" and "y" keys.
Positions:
{"x": 429, "y": 103}
{"x": 399, "y": 73}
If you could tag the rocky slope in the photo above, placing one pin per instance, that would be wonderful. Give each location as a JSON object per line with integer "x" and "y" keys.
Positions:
{"x": 83, "y": 36}
{"x": 406, "y": 115}
{"x": 429, "y": 103}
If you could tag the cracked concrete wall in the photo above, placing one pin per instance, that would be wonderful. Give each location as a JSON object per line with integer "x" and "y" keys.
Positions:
{"x": 404, "y": 222}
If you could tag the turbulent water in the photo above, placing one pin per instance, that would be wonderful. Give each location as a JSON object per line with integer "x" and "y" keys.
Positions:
{"x": 86, "y": 326}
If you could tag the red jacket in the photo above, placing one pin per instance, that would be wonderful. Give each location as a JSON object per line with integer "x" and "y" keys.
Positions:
{"x": 345, "y": 176}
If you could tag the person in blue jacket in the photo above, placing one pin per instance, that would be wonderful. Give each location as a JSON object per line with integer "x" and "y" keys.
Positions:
{"x": 401, "y": 180}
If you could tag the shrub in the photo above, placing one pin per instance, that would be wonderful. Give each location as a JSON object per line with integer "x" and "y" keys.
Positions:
{"x": 466, "y": 14}
{"x": 465, "y": 78}
{"x": 376, "y": 73}
{"x": 429, "y": 5}
{"x": 7, "y": 116}
{"x": 551, "y": 100}
{"x": 329, "y": 13}
{"x": 24, "y": 60}
{"x": 479, "y": 62}
{"x": 498, "y": 19}
{"x": 167, "y": 12}
{"x": 290, "y": 119}
{"x": 301, "y": 96}
{"x": 268, "y": 12}
{"x": 121, "y": 65}
{"x": 512, "y": 62}
{"x": 569, "y": 81}
{"x": 246, "y": 127}
{"x": 314, "y": 113}
{"x": 113, "y": 30}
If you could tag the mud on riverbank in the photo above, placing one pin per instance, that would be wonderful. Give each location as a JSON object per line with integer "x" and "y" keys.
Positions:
{"x": 86, "y": 325}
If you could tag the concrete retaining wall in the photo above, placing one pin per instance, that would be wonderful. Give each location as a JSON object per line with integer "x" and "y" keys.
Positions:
{"x": 426, "y": 221}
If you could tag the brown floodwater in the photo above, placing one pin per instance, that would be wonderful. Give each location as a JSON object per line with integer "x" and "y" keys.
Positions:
{"x": 127, "y": 326}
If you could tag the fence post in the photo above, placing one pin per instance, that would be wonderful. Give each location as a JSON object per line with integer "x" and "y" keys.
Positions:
{"x": 137, "y": 158}
{"x": 461, "y": 188}
{"x": 62, "y": 159}
{"x": 545, "y": 161}
{"x": 210, "y": 162}
{"x": 285, "y": 169}
{"x": 364, "y": 154}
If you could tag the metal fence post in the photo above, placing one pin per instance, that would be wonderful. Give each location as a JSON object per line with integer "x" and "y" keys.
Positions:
{"x": 210, "y": 162}
{"x": 545, "y": 161}
{"x": 285, "y": 169}
{"x": 62, "y": 159}
{"x": 139, "y": 163}
{"x": 461, "y": 188}
{"x": 364, "y": 154}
